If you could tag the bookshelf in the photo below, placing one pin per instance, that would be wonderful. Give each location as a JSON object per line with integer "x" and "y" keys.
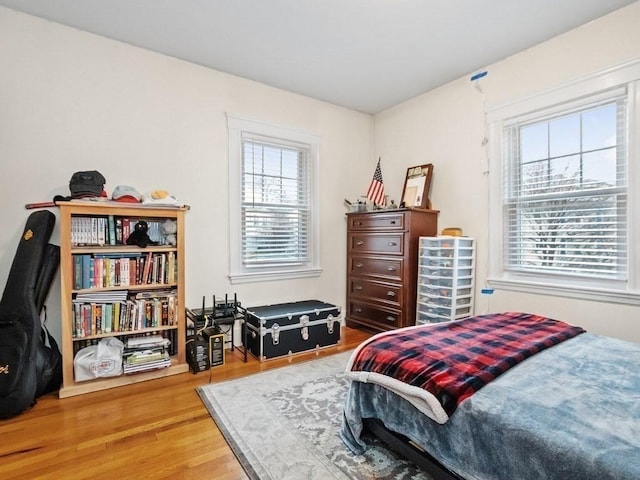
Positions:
{"x": 110, "y": 289}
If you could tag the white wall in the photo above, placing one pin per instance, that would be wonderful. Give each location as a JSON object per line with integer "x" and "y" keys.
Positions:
{"x": 73, "y": 101}
{"x": 446, "y": 127}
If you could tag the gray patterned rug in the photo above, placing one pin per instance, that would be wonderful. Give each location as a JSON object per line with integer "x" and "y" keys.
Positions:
{"x": 283, "y": 424}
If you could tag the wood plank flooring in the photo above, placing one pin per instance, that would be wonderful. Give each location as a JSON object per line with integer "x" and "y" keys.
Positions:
{"x": 151, "y": 430}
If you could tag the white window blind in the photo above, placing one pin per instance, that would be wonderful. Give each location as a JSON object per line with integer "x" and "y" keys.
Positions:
{"x": 276, "y": 207}
{"x": 565, "y": 190}
{"x": 565, "y": 203}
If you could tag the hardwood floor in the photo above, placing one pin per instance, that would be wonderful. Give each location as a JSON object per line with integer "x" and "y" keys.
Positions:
{"x": 156, "y": 429}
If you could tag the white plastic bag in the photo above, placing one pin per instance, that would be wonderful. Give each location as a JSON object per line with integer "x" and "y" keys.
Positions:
{"x": 101, "y": 360}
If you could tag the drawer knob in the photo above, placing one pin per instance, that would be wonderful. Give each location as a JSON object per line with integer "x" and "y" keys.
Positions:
{"x": 359, "y": 265}
{"x": 391, "y": 269}
{"x": 357, "y": 310}
{"x": 358, "y": 287}
{"x": 358, "y": 223}
{"x": 390, "y": 319}
{"x": 393, "y": 244}
{"x": 359, "y": 243}
{"x": 393, "y": 222}
{"x": 391, "y": 294}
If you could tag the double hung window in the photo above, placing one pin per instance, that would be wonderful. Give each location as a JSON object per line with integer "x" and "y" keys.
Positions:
{"x": 562, "y": 188}
{"x": 273, "y": 201}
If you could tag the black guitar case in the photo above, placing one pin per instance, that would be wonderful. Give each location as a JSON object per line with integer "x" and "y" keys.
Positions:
{"x": 30, "y": 360}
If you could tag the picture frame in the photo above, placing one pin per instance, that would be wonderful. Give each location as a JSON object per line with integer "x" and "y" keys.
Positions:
{"x": 417, "y": 183}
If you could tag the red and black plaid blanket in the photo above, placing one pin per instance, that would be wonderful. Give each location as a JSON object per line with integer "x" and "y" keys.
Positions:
{"x": 442, "y": 364}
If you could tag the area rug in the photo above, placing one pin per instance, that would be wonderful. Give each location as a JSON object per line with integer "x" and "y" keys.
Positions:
{"x": 283, "y": 424}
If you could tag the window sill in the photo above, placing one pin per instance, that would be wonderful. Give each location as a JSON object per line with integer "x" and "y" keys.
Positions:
{"x": 623, "y": 297}
{"x": 237, "y": 278}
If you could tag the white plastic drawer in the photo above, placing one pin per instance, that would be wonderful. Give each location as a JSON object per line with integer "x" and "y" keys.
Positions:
{"x": 433, "y": 290}
{"x": 452, "y": 272}
{"x": 462, "y": 311}
{"x": 430, "y": 261}
{"x": 465, "y": 261}
{"x": 424, "y": 318}
{"x": 447, "y": 301}
{"x": 450, "y": 282}
{"x": 436, "y": 310}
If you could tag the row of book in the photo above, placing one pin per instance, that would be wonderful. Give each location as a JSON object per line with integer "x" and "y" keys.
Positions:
{"x": 119, "y": 311}
{"x": 110, "y": 230}
{"x": 103, "y": 270}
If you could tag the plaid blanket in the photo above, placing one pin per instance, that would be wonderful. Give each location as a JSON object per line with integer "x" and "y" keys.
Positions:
{"x": 437, "y": 366}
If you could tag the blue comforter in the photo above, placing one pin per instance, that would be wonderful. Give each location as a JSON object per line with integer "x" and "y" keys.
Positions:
{"x": 569, "y": 412}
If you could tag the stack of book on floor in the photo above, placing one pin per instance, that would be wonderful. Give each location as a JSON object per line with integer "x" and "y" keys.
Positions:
{"x": 146, "y": 353}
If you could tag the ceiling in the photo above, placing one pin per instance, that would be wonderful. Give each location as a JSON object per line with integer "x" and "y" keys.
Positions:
{"x": 365, "y": 55}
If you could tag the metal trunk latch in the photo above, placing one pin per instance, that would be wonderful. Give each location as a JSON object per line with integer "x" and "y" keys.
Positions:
{"x": 275, "y": 333}
{"x": 330, "y": 322}
{"x": 304, "y": 331}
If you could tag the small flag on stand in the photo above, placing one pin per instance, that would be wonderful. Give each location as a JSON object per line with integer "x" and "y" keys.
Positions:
{"x": 376, "y": 188}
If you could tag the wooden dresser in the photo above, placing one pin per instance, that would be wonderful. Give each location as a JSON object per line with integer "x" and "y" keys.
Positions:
{"x": 382, "y": 263}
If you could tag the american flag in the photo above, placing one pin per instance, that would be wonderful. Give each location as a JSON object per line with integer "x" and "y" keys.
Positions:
{"x": 376, "y": 188}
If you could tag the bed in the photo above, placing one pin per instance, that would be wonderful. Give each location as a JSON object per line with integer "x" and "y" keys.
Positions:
{"x": 568, "y": 409}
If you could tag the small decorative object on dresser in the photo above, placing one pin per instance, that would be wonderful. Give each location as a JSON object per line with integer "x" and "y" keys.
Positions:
{"x": 382, "y": 264}
{"x": 417, "y": 183}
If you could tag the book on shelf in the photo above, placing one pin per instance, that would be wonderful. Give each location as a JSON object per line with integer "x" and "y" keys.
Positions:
{"x": 96, "y": 318}
{"x": 112, "y": 229}
{"x": 145, "y": 356}
{"x": 93, "y": 231}
{"x": 87, "y": 271}
{"x": 165, "y": 362}
{"x": 147, "y": 341}
{"x": 144, "y": 279}
{"x": 118, "y": 230}
{"x": 102, "y": 296}
{"x": 77, "y": 272}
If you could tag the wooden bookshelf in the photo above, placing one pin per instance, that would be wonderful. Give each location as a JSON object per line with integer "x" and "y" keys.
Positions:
{"x": 168, "y": 282}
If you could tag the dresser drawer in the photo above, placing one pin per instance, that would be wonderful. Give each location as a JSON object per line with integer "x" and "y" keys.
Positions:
{"x": 378, "y": 292}
{"x": 391, "y": 268}
{"x": 377, "y": 221}
{"x": 386, "y": 243}
{"x": 377, "y": 316}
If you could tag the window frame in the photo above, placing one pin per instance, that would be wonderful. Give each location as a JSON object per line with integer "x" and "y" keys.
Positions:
{"x": 238, "y": 272}
{"x": 558, "y": 100}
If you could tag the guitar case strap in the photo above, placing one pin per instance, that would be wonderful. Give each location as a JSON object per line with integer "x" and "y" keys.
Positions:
{"x": 48, "y": 356}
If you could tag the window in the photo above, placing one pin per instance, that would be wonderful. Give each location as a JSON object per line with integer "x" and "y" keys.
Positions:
{"x": 565, "y": 201}
{"x": 273, "y": 203}
{"x": 561, "y": 183}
